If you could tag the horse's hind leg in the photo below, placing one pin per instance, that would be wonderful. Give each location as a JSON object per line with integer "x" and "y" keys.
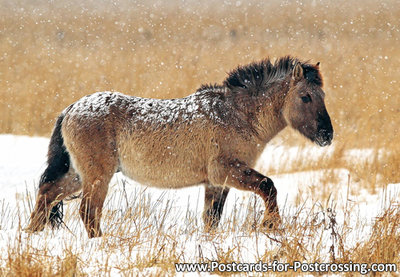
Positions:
{"x": 94, "y": 193}
{"x": 214, "y": 200}
{"x": 96, "y": 166}
{"x": 49, "y": 195}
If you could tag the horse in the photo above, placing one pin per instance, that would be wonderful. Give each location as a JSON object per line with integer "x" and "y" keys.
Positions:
{"x": 212, "y": 137}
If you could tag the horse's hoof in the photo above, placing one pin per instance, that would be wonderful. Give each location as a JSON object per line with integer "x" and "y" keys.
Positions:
{"x": 272, "y": 222}
{"x": 33, "y": 228}
{"x": 94, "y": 233}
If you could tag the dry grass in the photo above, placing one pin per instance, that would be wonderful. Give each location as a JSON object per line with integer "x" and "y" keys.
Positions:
{"x": 153, "y": 232}
{"x": 53, "y": 53}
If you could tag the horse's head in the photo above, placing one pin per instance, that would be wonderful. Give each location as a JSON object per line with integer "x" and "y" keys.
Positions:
{"x": 304, "y": 108}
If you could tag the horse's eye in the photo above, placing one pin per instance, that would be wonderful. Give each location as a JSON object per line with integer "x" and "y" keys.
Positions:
{"x": 306, "y": 98}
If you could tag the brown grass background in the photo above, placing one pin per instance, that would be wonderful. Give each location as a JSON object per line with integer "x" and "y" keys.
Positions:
{"x": 53, "y": 53}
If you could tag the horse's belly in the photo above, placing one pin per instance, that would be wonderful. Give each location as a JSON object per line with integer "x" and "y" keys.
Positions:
{"x": 162, "y": 171}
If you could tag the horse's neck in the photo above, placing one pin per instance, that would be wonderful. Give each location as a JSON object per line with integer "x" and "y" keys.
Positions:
{"x": 269, "y": 117}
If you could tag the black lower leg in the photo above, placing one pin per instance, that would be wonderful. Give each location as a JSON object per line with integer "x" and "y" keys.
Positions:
{"x": 56, "y": 215}
{"x": 215, "y": 200}
{"x": 269, "y": 194}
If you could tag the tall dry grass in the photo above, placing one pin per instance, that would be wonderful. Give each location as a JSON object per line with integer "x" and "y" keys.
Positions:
{"x": 148, "y": 236}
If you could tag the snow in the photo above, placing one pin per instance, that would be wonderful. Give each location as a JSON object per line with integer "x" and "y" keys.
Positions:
{"x": 157, "y": 112}
{"x": 23, "y": 160}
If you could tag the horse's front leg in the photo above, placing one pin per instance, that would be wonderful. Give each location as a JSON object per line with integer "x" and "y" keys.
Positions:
{"x": 214, "y": 200}
{"x": 238, "y": 175}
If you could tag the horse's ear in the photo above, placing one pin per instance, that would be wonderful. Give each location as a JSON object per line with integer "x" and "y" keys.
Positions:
{"x": 318, "y": 63}
{"x": 297, "y": 72}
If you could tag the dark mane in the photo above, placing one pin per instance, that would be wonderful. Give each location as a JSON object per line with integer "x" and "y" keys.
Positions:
{"x": 211, "y": 87}
{"x": 257, "y": 76}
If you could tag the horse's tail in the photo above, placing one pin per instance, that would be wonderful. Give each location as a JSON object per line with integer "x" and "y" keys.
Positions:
{"x": 58, "y": 163}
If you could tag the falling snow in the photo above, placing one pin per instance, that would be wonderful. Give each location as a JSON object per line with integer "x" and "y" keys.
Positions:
{"x": 53, "y": 53}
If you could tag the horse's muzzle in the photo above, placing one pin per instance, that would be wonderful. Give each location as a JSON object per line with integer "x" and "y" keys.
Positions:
{"x": 324, "y": 137}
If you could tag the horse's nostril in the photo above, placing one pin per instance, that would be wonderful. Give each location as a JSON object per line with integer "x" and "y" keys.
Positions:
{"x": 325, "y": 136}
{"x": 325, "y": 133}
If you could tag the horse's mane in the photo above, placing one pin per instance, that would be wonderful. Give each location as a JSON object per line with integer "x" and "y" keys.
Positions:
{"x": 257, "y": 76}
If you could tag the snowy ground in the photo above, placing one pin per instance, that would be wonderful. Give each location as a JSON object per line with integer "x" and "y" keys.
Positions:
{"x": 22, "y": 161}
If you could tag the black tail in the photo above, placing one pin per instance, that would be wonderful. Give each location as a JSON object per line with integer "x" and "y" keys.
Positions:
{"x": 58, "y": 165}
